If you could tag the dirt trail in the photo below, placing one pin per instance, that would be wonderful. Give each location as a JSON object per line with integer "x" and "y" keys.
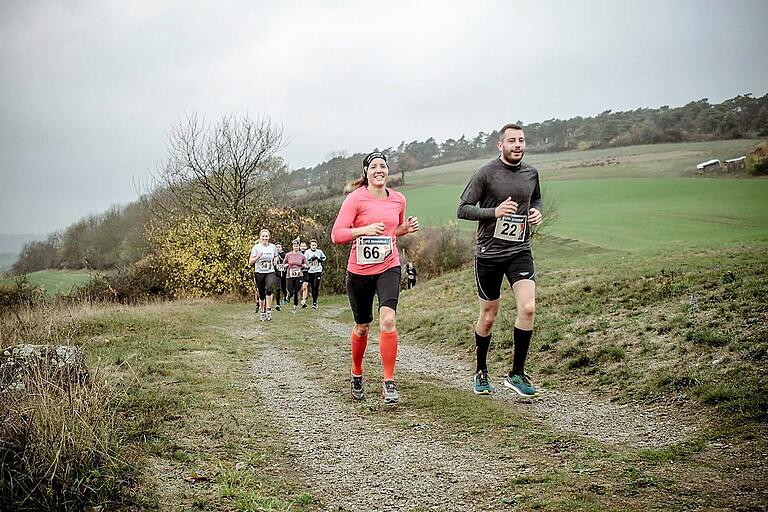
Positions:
{"x": 635, "y": 426}
{"x": 358, "y": 464}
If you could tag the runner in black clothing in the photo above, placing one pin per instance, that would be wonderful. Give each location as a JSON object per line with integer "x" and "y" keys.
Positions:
{"x": 410, "y": 272}
{"x": 505, "y": 197}
{"x": 280, "y": 273}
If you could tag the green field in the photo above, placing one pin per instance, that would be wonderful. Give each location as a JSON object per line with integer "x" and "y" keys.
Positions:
{"x": 610, "y": 206}
{"x": 56, "y": 281}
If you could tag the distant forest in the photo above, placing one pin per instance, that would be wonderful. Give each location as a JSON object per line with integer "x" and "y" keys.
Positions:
{"x": 119, "y": 237}
{"x": 742, "y": 116}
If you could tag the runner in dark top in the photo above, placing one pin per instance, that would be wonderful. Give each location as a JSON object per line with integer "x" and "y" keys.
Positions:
{"x": 410, "y": 272}
{"x": 505, "y": 198}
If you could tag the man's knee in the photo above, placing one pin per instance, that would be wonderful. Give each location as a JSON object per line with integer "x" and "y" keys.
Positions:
{"x": 526, "y": 310}
{"x": 488, "y": 317}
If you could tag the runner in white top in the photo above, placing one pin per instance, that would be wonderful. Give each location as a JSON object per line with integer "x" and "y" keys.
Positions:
{"x": 263, "y": 256}
{"x": 315, "y": 257}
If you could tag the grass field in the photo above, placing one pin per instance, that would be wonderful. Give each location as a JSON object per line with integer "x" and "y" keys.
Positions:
{"x": 56, "y": 281}
{"x": 610, "y": 206}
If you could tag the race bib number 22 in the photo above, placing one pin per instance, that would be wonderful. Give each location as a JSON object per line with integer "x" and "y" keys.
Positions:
{"x": 511, "y": 228}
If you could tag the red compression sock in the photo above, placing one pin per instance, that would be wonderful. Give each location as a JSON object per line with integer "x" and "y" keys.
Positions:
{"x": 388, "y": 349}
{"x": 358, "y": 350}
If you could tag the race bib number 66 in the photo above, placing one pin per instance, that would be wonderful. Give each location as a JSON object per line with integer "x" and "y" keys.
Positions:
{"x": 511, "y": 228}
{"x": 373, "y": 249}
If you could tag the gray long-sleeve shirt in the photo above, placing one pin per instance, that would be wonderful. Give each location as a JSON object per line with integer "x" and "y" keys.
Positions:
{"x": 491, "y": 184}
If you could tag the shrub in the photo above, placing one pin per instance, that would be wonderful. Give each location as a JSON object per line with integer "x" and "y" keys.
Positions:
{"x": 142, "y": 280}
{"x": 61, "y": 449}
{"x": 201, "y": 258}
{"x": 757, "y": 159}
{"x": 20, "y": 294}
{"x": 435, "y": 251}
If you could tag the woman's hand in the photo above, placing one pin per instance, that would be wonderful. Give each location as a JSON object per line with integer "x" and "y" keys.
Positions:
{"x": 412, "y": 225}
{"x": 374, "y": 229}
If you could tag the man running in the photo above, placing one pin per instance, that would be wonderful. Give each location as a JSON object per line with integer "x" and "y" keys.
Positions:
{"x": 505, "y": 198}
{"x": 315, "y": 257}
{"x": 263, "y": 255}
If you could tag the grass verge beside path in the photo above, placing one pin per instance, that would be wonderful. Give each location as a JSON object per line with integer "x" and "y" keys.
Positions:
{"x": 188, "y": 404}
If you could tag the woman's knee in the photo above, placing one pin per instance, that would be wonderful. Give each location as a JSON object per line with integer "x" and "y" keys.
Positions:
{"x": 362, "y": 329}
{"x": 387, "y": 319}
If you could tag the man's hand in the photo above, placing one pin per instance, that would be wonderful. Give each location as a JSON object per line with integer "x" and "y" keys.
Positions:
{"x": 534, "y": 217}
{"x": 507, "y": 207}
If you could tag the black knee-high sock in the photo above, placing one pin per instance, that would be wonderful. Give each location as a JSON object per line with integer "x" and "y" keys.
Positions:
{"x": 482, "y": 342}
{"x": 522, "y": 341}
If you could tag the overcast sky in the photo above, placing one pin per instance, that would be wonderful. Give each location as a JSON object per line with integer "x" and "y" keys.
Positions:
{"x": 89, "y": 90}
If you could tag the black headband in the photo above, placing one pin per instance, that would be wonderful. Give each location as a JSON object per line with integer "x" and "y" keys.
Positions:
{"x": 370, "y": 157}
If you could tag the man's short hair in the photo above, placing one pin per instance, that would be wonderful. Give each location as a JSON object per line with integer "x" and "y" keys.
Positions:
{"x": 508, "y": 126}
{"x": 313, "y": 241}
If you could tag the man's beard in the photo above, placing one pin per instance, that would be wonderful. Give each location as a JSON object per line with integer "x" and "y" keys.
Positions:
{"x": 511, "y": 159}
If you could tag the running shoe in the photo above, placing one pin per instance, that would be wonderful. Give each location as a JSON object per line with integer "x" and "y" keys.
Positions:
{"x": 262, "y": 316}
{"x": 482, "y": 383}
{"x": 389, "y": 392}
{"x": 356, "y": 387}
{"x": 287, "y": 300}
{"x": 303, "y": 304}
{"x": 268, "y": 315}
{"x": 277, "y": 307}
{"x": 293, "y": 309}
{"x": 521, "y": 383}
{"x": 314, "y": 306}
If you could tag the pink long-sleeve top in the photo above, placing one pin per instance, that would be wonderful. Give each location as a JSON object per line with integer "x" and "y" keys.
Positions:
{"x": 361, "y": 208}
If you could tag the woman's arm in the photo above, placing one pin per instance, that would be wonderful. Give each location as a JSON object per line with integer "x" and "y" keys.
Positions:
{"x": 343, "y": 232}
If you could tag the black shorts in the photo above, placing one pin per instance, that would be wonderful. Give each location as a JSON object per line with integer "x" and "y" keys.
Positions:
{"x": 490, "y": 272}
{"x": 264, "y": 283}
{"x": 361, "y": 290}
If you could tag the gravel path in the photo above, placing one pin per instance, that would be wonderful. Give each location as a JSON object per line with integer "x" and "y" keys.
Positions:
{"x": 637, "y": 426}
{"x": 358, "y": 464}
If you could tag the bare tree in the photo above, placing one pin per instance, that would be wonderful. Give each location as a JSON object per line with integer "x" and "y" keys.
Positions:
{"x": 221, "y": 171}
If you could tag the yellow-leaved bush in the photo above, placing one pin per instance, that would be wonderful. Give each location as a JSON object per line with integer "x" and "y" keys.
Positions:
{"x": 201, "y": 257}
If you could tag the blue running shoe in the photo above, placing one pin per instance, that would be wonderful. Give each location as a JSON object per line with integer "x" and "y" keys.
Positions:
{"x": 482, "y": 383}
{"x": 521, "y": 383}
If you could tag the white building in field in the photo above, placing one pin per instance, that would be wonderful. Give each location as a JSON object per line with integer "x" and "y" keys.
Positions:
{"x": 736, "y": 163}
{"x": 709, "y": 166}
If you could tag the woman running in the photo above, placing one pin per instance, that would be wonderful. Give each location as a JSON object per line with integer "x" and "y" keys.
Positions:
{"x": 372, "y": 217}
{"x": 263, "y": 255}
{"x": 315, "y": 257}
{"x": 295, "y": 262}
